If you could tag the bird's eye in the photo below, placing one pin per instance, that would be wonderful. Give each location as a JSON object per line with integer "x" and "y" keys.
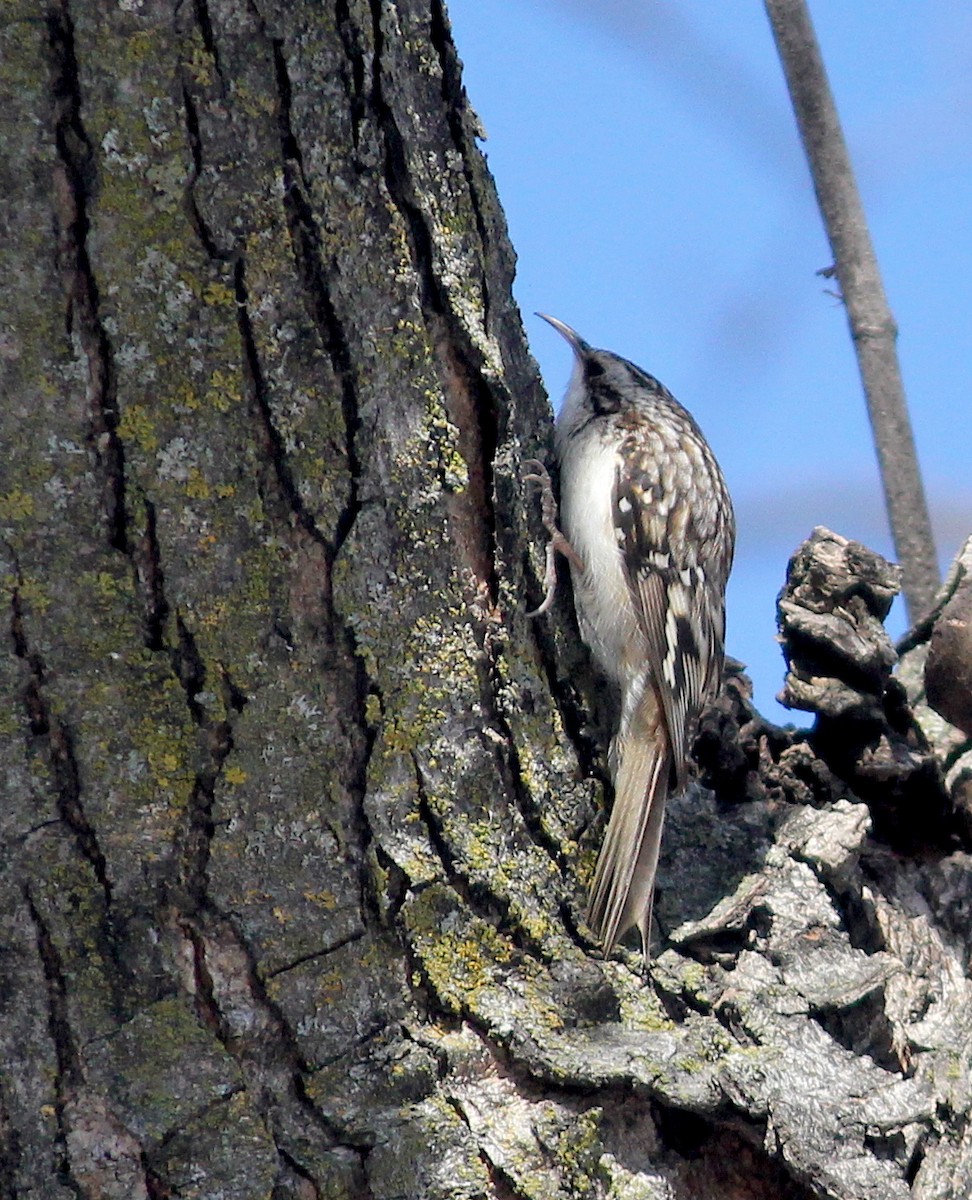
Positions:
{"x": 605, "y": 399}
{"x": 593, "y": 369}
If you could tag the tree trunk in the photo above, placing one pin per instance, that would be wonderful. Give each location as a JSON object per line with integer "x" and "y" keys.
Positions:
{"x": 299, "y": 806}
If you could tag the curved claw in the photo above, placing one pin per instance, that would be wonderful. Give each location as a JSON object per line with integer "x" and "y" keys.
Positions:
{"x": 535, "y": 472}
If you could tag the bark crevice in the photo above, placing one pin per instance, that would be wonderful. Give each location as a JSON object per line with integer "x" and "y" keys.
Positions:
{"x": 69, "y": 1076}
{"x": 74, "y": 185}
{"x": 207, "y": 238}
{"x": 310, "y": 264}
{"x": 216, "y": 744}
{"x": 56, "y": 743}
{"x": 458, "y": 116}
{"x": 470, "y": 403}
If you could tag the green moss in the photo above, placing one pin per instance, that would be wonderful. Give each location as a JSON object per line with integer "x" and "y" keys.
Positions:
{"x": 71, "y": 901}
{"x": 105, "y": 585}
{"x": 219, "y": 294}
{"x": 199, "y": 61}
{"x": 142, "y": 46}
{"x": 169, "y": 773}
{"x": 16, "y": 505}
{"x": 32, "y": 591}
{"x": 162, "y": 1069}
{"x": 226, "y": 1151}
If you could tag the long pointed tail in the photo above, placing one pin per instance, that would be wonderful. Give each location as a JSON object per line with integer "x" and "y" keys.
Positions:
{"x": 624, "y": 881}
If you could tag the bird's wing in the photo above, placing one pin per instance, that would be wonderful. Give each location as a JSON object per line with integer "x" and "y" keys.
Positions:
{"x": 673, "y": 599}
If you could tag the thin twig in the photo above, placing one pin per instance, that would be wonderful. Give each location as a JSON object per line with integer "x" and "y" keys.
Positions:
{"x": 872, "y": 324}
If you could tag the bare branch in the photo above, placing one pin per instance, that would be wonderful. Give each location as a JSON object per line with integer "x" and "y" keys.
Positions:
{"x": 872, "y": 324}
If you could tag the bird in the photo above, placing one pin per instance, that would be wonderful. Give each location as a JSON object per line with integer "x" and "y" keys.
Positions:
{"x": 648, "y": 528}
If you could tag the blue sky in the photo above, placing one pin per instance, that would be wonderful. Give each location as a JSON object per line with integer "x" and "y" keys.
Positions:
{"x": 648, "y": 163}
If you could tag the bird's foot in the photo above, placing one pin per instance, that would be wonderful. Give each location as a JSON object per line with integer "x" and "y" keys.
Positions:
{"x": 536, "y": 473}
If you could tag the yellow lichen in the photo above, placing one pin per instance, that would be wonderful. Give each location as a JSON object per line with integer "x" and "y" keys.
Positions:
{"x": 201, "y": 66}
{"x": 32, "y": 592}
{"x": 136, "y": 425}
{"x": 16, "y": 505}
{"x": 225, "y": 389}
{"x": 218, "y": 294}
{"x": 196, "y": 486}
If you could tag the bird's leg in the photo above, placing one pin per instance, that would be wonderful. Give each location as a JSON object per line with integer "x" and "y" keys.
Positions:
{"x": 535, "y": 472}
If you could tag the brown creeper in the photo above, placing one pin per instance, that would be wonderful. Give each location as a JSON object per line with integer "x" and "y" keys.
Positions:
{"x": 649, "y": 522}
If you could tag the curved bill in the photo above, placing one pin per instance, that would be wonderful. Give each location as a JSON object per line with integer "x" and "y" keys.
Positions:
{"x": 577, "y": 343}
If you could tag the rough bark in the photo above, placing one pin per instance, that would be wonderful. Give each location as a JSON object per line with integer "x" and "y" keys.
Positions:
{"x": 299, "y": 807}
